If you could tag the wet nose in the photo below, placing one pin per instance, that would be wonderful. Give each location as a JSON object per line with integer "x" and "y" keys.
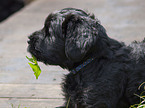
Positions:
{"x": 33, "y": 37}
{"x": 28, "y": 41}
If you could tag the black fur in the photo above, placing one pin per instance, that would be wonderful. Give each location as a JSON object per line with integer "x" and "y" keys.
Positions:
{"x": 70, "y": 37}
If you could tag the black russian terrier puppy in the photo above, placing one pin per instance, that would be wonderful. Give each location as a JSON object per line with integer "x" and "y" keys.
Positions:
{"x": 104, "y": 73}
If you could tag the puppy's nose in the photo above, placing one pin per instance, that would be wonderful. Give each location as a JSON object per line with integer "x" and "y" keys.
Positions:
{"x": 34, "y": 37}
{"x": 28, "y": 41}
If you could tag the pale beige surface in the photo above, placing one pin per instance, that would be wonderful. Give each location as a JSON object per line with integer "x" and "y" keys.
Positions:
{"x": 30, "y": 95}
{"x": 123, "y": 19}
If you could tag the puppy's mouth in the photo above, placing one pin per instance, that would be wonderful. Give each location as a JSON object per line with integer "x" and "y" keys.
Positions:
{"x": 33, "y": 42}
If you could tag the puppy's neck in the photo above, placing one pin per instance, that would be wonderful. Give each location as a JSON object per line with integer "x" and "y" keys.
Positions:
{"x": 81, "y": 66}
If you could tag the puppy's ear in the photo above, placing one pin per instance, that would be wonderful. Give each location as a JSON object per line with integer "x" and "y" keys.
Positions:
{"x": 80, "y": 35}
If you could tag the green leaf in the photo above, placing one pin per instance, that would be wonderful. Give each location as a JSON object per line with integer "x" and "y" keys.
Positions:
{"x": 34, "y": 65}
{"x": 36, "y": 69}
{"x": 30, "y": 59}
{"x": 35, "y": 61}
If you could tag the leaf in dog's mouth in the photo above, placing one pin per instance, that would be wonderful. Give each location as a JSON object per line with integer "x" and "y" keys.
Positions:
{"x": 34, "y": 65}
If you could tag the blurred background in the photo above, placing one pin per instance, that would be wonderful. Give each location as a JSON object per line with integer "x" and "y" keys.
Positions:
{"x": 124, "y": 20}
{"x": 8, "y": 7}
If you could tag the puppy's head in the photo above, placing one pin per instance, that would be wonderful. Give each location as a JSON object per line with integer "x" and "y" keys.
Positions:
{"x": 68, "y": 37}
